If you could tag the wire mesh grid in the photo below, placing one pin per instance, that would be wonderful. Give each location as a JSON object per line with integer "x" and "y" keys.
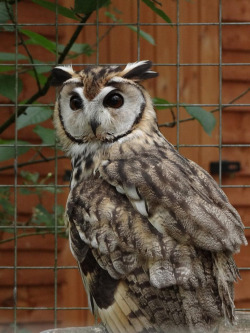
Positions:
{"x": 15, "y": 306}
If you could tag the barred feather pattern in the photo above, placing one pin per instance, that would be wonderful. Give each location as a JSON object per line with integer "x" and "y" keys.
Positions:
{"x": 153, "y": 233}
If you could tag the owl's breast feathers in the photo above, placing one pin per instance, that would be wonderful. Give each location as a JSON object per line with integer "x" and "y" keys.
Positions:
{"x": 154, "y": 237}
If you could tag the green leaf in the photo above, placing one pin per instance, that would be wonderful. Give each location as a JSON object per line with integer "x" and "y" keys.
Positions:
{"x": 64, "y": 11}
{"x": 160, "y": 101}
{"x": 7, "y": 56}
{"x": 111, "y": 16}
{"x": 5, "y": 203}
{"x": 33, "y": 115}
{"x": 82, "y": 49}
{"x": 158, "y": 11}
{"x": 51, "y": 189}
{"x": 143, "y": 34}
{"x": 7, "y": 68}
{"x": 205, "y": 118}
{"x": 4, "y": 15}
{"x": 30, "y": 177}
{"x": 87, "y": 7}
{"x": 37, "y": 39}
{"x": 25, "y": 191}
{"x": 7, "y": 153}
{"x": 42, "y": 216}
{"x": 43, "y": 68}
{"x": 46, "y": 134}
{"x": 8, "y": 85}
{"x": 41, "y": 78}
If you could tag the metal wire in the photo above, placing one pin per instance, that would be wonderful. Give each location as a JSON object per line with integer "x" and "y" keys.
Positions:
{"x": 15, "y": 186}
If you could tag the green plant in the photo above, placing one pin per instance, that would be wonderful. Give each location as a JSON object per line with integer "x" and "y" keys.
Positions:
{"x": 28, "y": 113}
{"x": 37, "y": 187}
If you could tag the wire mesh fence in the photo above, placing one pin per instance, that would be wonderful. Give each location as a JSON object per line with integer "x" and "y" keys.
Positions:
{"x": 202, "y": 54}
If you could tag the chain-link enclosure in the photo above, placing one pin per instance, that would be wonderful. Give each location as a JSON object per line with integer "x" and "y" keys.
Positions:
{"x": 201, "y": 50}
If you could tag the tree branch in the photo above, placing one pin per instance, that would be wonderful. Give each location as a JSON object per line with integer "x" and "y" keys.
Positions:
{"x": 49, "y": 159}
{"x": 46, "y": 87}
{"x": 173, "y": 123}
{"x": 30, "y": 234}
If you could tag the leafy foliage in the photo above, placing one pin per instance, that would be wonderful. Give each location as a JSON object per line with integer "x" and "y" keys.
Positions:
{"x": 46, "y": 134}
{"x": 8, "y": 86}
{"x": 6, "y": 207}
{"x": 143, "y": 34}
{"x": 206, "y": 119}
{"x": 40, "y": 216}
{"x": 11, "y": 86}
{"x": 5, "y": 12}
{"x": 161, "y": 103}
{"x": 87, "y": 7}
{"x": 11, "y": 148}
{"x": 56, "y": 8}
{"x": 33, "y": 115}
{"x": 158, "y": 11}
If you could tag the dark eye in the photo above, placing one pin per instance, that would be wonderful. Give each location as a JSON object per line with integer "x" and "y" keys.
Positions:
{"x": 113, "y": 100}
{"x": 75, "y": 102}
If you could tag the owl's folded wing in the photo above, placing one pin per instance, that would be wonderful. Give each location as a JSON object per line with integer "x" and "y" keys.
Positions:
{"x": 179, "y": 198}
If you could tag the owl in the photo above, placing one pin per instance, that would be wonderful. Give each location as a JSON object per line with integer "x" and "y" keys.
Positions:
{"x": 152, "y": 232}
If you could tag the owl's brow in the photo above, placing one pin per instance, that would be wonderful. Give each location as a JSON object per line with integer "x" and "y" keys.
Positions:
{"x": 117, "y": 84}
{"x": 74, "y": 81}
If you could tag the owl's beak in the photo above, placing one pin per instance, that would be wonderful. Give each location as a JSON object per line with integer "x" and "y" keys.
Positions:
{"x": 94, "y": 124}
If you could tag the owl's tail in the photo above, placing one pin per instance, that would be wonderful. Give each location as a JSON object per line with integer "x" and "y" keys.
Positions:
{"x": 226, "y": 273}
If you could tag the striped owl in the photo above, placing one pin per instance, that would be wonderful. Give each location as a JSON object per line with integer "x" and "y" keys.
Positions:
{"x": 152, "y": 232}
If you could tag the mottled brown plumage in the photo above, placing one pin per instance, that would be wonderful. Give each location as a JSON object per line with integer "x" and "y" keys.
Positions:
{"x": 153, "y": 233}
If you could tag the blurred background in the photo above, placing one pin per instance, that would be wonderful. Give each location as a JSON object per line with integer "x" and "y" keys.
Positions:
{"x": 201, "y": 50}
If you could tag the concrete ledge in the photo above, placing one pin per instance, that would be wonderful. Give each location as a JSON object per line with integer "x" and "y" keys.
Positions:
{"x": 242, "y": 326}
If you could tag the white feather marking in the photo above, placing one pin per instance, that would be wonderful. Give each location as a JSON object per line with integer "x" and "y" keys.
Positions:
{"x": 151, "y": 72}
{"x": 94, "y": 243}
{"x": 133, "y": 65}
{"x": 120, "y": 189}
{"x": 66, "y": 68}
{"x": 105, "y": 162}
{"x": 127, "y": 305}
{"x": 131, "y": 192}
{"x": 141, "y": 207}
{"x": 107, "y": 319}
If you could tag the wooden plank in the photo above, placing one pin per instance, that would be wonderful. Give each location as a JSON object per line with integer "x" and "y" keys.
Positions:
{"x": 73, "y": 294}
{"x": 209, "y": 83}
{"x": 236, "y": 73}
{"x": 236, "y": 38}
{"x": 239, "y": 197}
{"x": 242, "y": 258}
{"x": 245, "y": 215}
{"x": 29, "y": 296}
{"x": 235, "y": 12}
{"x": 242, "y": 290}
{"x": 31, "y": 243}
{"x": 231, "y": 90}
{"x": 241, "y": 155}
{"x": 166, "y": 52}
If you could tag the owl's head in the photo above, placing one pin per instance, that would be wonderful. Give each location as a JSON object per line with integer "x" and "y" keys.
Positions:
{"x": 101, "y": 104}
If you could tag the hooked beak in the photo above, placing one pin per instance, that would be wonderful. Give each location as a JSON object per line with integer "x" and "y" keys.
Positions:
{"x": 94, "y": 124}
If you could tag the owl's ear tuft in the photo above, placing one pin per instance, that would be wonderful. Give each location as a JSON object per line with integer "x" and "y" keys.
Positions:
{"x": 139, "y": 71}
{"x": 61, "y": 74}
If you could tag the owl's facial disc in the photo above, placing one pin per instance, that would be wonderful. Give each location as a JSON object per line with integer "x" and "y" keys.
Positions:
{"x": 111, "y": 114}
{"x": 116, "y": 109}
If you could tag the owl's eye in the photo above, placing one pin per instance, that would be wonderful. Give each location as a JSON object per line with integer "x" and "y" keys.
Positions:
{"x": 113, "y": 100}
{"x": 75, "y": 102}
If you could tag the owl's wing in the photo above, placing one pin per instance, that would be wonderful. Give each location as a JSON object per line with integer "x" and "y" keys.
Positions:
{"x": 178, "y": 197}
{"x": 139, "y": 278}
{"x": 119, "y": 255}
